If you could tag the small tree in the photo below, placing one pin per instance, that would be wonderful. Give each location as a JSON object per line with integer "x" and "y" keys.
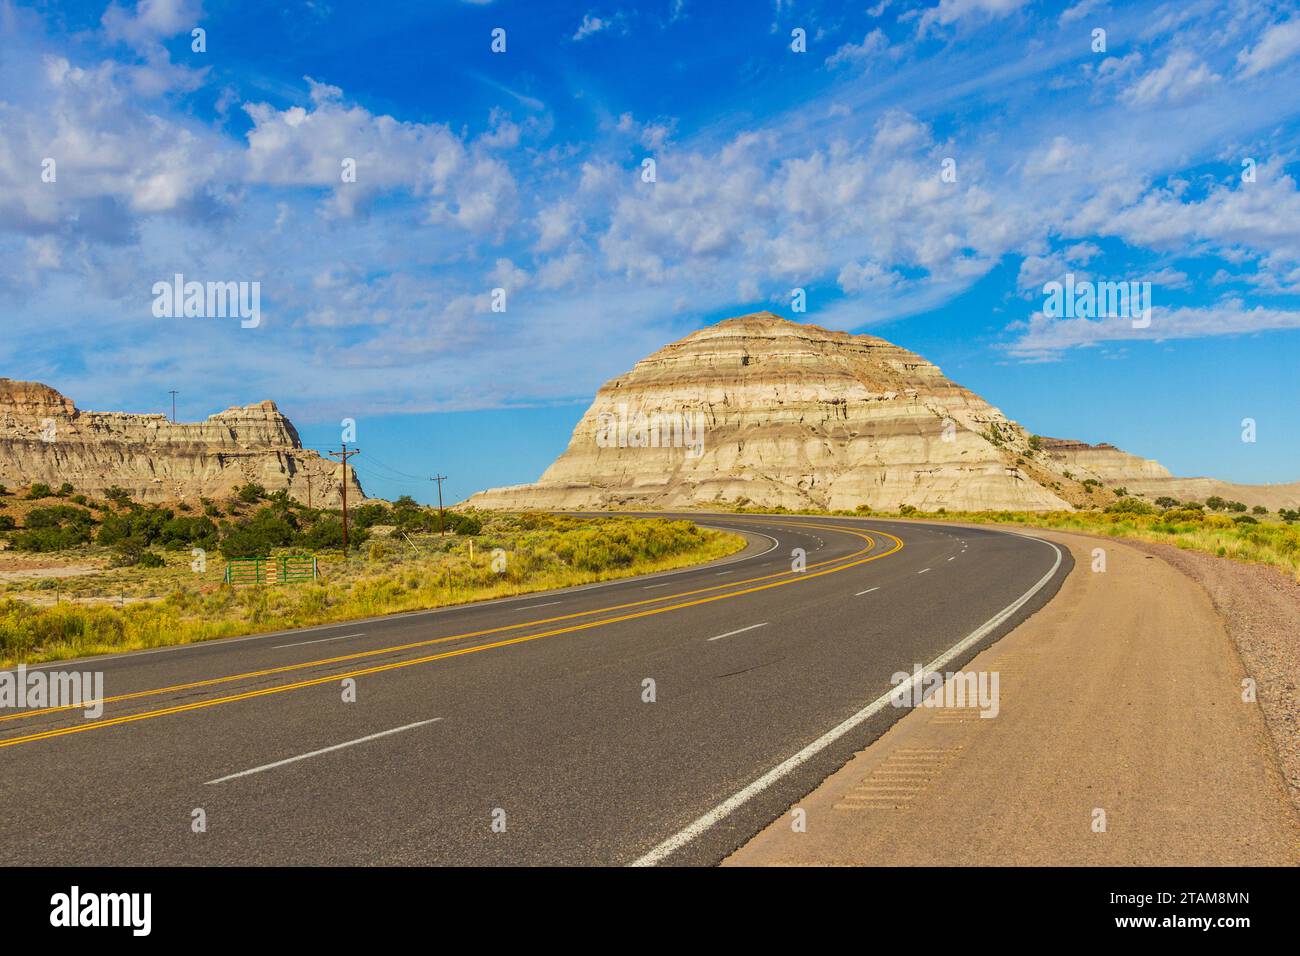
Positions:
{"x": 250, "y": 493}
{"x": 119, "y": 496}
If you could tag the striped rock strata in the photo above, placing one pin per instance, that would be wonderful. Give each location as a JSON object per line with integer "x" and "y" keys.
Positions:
{"x": 759, "y": 410}
{"x": 44, "y": 437}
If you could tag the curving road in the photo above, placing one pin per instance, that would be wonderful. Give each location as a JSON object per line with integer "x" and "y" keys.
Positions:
{"x": 527, "y": 712}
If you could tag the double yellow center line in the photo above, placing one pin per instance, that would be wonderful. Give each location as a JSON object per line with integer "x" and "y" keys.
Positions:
{"x": 786, "y": 578}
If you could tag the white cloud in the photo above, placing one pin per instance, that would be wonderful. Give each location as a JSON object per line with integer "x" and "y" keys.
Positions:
{"x": 1182, "y": 78}
{"x": 860, "y": 55}
{"x": 949, "y": 12}
{"x": 1056, "y": 157}
{"x": 1043, "y": 338}
{"x": 1280, "y": 42}
{"x": 592, "y": 24}
{"x": 300, "y": 146}
{"x": 150, "y": 20}
{"x": 1079, "y": 11}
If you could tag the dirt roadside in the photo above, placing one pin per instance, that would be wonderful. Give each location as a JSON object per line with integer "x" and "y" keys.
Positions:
{"x": 1122, "y": 697}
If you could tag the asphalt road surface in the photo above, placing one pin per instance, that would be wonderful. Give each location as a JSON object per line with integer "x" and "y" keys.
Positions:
{"x": 519, "y": 731}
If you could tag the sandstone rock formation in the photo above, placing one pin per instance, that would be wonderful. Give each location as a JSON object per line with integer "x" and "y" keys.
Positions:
{"x": 759, "y": 410}
{"x": 44, "y": 437}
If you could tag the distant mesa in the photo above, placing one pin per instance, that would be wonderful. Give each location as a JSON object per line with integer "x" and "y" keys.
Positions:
{"x": 761, "y": 411}
{"x": 44, "y": 437}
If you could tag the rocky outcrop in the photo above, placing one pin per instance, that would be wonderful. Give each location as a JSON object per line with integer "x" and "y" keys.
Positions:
{"x": 1104, "y": 462}
{"x": 758, "y": 410}
{"x": 44, "y": 437}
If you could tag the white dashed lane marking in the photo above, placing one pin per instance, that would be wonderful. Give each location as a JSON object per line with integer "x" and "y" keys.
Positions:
{"x": 321, "y": 640}
{"x": 740, "y": 631}
{"x": 324, "y": 750}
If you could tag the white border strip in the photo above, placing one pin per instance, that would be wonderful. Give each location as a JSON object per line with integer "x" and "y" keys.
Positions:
{"x": 727, "y": 807}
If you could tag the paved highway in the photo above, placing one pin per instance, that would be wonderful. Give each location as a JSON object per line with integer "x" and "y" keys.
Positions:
{"x": 519, "y": 731}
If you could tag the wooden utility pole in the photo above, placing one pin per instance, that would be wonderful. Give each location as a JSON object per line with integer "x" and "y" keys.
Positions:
{"x": 308, "y": 476}
{"x": 343, "y": 456}
{"x": 173, "y": 395}
{"x": 442, "y": 524}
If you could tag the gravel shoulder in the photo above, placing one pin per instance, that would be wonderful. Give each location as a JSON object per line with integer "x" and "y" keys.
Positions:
{"x": 1260, "y": 607}
{"x": 1121, "y": 736}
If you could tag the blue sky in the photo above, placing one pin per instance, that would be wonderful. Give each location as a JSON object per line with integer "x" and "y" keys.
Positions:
{"x": 775, "y": 169}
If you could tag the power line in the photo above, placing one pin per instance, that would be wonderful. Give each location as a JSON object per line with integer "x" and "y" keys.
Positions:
{"x": 441, "y": 523}
{"x": 343, "y": 457}
{"x": 396, "y": 471}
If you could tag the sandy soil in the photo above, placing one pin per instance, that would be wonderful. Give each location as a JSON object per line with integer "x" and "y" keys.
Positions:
{"x": 1260, "y": 607}
{"x": 1121, "y": 702}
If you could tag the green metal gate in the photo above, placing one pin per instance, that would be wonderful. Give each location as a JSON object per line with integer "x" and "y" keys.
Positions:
{"x": 286, "y": 569}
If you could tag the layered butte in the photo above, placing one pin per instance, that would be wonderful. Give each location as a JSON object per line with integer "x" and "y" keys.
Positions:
{"x": 44, "y": 437}
{"x": 761, "y": 411}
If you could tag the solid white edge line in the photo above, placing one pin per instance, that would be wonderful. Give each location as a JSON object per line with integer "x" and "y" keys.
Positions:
{"x": 740, "y": 631}
{"x": 323, "y": 750}
{"x": 727, "y": 807}
{"x": 531, "y": 606}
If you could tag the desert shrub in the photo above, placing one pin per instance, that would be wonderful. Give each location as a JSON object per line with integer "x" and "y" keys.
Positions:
{"x": 1164, "y": 501}
{"x": 1130, "y": 506}
{"x": 461, "y": 523}
{"x": 55, "y": 528}
{"x": 141, "y": 524}
{"x": 58, "y": 516}
{"x": 38, "y": 491}
{"x": 250, "y": 493}
{"x": 368, "y": 515}
{"x": 43, "y": 540}
{"x": 327, "y": 534}
{"x": 257, "y": 537}
{"x": 119, "y": 496}
{"x": 180, "y": 532}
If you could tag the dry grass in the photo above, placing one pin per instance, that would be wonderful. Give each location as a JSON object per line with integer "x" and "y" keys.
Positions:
{"x": 1268, "y": 542}
{"x": 1272, "y": 543}
{"x": 515, "y": 554}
